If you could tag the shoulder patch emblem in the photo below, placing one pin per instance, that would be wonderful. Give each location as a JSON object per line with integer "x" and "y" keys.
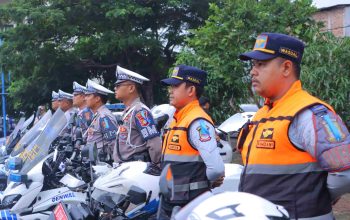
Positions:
{"x": 333, "y": 130}
{"x": 87, "y": 116}
{"x": 104, "y": 123}
{"x": 142, "y": 117}
{"x": 203, "y": 131}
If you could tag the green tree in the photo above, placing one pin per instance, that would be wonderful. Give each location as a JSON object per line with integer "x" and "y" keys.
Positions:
{"x": 231, "y": 29}
{"x": 325, "y": 71}
{"x": 55, "y": 42}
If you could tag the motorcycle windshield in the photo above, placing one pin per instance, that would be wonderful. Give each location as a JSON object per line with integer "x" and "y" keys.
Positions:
{"x": 31, "y": 134}
{"x": 233, "y": 123}
{"x": 15, "y": 131}
{"x": 249, "y": 107}
{"x": 108, "y": 199}
{"x": 27, "y": 123}
{"x": 39, "y": 148}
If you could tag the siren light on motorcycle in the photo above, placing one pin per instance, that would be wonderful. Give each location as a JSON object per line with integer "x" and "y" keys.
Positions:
{"x": 18, "y": 178}
{"x": 15, "y": 163}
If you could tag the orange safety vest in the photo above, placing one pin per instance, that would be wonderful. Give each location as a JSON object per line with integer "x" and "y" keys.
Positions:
{"x": 187, "y": 173}
{"x": 277, "y": 170}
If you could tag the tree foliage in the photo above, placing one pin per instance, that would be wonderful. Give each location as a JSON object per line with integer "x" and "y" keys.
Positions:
{"x": 326, "y": 71}
{"x": 232, "y": 28}
{"x": 55, "y": 42}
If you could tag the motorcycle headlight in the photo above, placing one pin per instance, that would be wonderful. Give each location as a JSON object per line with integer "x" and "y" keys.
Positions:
{"x": 9, "y": 201}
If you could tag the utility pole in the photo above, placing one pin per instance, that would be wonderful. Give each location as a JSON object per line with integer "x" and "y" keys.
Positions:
{"x": 3, "y": 98}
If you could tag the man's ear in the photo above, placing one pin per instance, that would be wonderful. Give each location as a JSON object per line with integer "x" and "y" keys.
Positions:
{"x": 132, "y": 88}
{"x": 192, "y": 91}
{"x": 287, "y": 66}
{"x": 98, "y": 98}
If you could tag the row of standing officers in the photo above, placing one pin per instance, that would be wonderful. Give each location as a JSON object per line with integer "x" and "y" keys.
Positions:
{"x": 189, "y": 145}
{"x": 296, "y": 149}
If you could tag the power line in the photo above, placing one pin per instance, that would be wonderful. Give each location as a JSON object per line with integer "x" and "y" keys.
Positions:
{"x": 338, "y": 28}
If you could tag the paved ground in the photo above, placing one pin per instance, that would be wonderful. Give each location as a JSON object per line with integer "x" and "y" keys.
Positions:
{"x": 341, "y": 209}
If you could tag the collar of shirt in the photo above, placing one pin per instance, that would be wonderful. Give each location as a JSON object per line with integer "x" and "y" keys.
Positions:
{"x": 101, "y": 108}
{"x": 71, "y": 110}
{"x": 136, "y": 101}
{"x": 180, "y": 114}
{"x": 293, "y": 89}
{"x": 82, "y": 108}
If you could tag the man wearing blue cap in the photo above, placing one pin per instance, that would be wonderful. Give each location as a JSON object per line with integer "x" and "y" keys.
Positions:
{"x": 138, "y": 138}
{"x": 103, "y": 128}
{"x": 296, "y": 148}
{"x": 191, "y": 161}
{"x": 84, "y": 115}
{"x": 54, "y": 101}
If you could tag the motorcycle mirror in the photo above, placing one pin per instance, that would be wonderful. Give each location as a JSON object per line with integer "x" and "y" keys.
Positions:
{"x": 136, "y": 195}
{"x": 160, "y": 122}
{"x": 89, "y": 152}
{"x": 78, "y": 133}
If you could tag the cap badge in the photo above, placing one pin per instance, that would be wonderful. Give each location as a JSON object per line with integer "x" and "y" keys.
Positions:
{"x": 261, "y": 42}
{"x": 175, "y": 71}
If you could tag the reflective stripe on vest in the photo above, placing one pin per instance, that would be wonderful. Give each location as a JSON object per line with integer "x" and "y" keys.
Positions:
{"x": 191, "y": 186}
{"x": 282, "y": 169}
{"x": 183, "y": 158}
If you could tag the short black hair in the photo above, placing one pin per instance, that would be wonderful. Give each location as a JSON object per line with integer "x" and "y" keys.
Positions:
{"x": 104, "y": 98}
{"x": 296, "y": 66}
{"x": 297, "y": 69}
{"x": 203, "y": 100}
{"x": 199, "y": 89}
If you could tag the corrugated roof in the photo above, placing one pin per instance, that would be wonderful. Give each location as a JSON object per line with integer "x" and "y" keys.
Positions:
{"x": 322, "y": 4}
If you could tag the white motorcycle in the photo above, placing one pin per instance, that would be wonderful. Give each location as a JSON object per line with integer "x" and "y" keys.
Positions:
{"x": 27, "y": 195}
{"x": 18, "y": 140}
{"x": 14, "y": 137}
{"x": 228, "y": 132}
{"x": 126, "y": 192}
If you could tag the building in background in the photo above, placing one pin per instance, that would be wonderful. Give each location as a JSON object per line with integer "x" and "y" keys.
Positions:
{"x": 335, "y": 14}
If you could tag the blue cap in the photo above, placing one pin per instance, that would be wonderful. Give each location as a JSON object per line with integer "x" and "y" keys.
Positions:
{"x": 78, "y": 89}
{"x": 271, "y": 45}
{"x": 54, "y": 96}
{"x": 183, "y": 73}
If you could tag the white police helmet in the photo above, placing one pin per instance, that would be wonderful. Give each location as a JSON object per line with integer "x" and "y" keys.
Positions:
{"x": 233, "y": 205}
{"x": 164, "y": 113}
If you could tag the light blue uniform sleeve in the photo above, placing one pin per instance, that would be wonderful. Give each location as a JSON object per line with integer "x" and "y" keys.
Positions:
{"x": 201, "y": 135}
{"x": 303, "y": 135}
